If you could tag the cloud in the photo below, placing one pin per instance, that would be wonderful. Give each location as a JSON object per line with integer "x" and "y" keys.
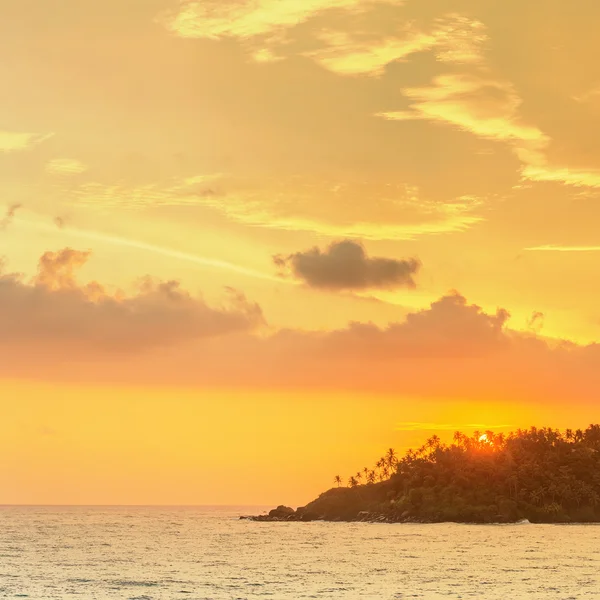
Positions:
{"x": 215, "y": 19}
{"x": 559, "y": 248}
{"x": 362, "y": 48}
{"x": 451, "y": 350}
{"x": 12, "y": 141}
{"x": 372, "y": 210}
{"x": 489, "y": 108}
{"x": 265, "y": 55}
{"x": 454, "y": 39}
{"x": 11, "y": 211}
{"x": 482, "y": 106}
{"x": 344, "y": 55}
{"x": 65, "y": 166}
{"x": 566, "y": 175}
{"x": 460, "y": 40}
{"x": 345, "y": 266}
{"x": 56, "y": 270}
{"x": 173, "y": 192}
{"x": 53, "y": 313}
{"x": 589, "y": 96}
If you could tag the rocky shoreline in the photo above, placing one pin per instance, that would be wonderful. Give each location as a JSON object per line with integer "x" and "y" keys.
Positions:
{"x": 301, "y": 514}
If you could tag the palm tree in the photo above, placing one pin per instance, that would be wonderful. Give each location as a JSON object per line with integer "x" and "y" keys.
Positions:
{"x": 352, "y": 482}
{"x": 433, "y": 441}
{"x": 390, "y": 457}
{"x": 371, "y": 477}
{"x": 337, "y": 480}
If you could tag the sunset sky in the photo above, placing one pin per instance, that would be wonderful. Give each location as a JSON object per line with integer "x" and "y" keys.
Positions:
{"x": 251, "y": 244}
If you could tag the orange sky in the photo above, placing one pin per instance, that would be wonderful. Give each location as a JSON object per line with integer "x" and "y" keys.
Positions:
{"x": 249, "y": 245}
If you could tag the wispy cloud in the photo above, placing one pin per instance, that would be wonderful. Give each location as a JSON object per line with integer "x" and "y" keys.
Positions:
{"x": 447, "y": 221}
{"x": 215, "y": 19}
{"x": 417, "y": 426}
{"x": 382, "y": 212}
{"x": 65, "y": 166}
{"x": 12, "y": 141}
{"x": 454, "y": 39}
{"x": 345, "y": 55}
{"x": 489, "y": 109}
{"x": 482, "y": 106}
{"x": 397, "y": 213}
{"x": 155, "y": 249}
{"x": 559, "y": 248}
{"x": 566, "y": 175}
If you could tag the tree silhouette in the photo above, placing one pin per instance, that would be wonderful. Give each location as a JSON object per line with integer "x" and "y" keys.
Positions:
{"x": 540, "y": 474}
{"x": 390, "y": 458}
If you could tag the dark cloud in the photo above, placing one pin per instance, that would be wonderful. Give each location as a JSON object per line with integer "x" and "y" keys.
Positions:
{"x": 345, "y": 266}
{"x": 9, "y": 216}
{"x": 54, "y": 313}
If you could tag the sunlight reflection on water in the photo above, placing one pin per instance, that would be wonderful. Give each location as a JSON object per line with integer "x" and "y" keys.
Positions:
{"x": 207, "y": 553}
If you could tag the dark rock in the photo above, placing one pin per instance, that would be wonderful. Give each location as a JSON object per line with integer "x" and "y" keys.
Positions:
{"x": 285, "y": 510}
{"x": 309, "y": 516}
{"x": 281, "y": 512}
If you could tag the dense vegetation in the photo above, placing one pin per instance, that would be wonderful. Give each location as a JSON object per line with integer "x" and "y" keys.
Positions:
{"x": 542, "y": 475}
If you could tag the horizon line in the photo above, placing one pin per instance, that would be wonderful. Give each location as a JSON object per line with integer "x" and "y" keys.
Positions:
{"x": 26, "y": 505}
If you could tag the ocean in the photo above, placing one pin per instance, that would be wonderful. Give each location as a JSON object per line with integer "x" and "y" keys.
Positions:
{"x": 167, "y": 553}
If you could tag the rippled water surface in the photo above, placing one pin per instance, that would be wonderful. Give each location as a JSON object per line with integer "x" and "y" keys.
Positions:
{"x": 207, "y": 553}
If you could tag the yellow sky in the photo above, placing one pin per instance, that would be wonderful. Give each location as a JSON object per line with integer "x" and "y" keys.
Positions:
{"x": 252, "y": 238}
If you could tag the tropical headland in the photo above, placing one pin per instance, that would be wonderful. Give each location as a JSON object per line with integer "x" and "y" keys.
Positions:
{"x": 539, "y": 474}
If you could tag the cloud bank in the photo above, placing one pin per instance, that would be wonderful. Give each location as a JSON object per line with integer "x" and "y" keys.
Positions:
{"x": 56, "y": 315}
{"x": 53, "y": 329}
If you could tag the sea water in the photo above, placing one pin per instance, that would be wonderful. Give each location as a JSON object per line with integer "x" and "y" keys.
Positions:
{"x": 208, "y": 553}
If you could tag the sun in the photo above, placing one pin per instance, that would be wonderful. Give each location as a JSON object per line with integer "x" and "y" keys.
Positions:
{"x": 484, "y": 439}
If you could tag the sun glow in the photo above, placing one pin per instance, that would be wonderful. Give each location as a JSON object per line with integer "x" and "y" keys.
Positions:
{"x": 484, "y": 439}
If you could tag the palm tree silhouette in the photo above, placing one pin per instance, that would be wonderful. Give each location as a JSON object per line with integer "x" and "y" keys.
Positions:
{"x": 337, "y": 480}
{"x": 390, "y": 458}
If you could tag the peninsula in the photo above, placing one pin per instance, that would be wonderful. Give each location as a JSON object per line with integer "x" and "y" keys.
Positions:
{"x": 539, "y": 474}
